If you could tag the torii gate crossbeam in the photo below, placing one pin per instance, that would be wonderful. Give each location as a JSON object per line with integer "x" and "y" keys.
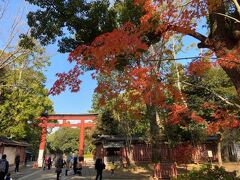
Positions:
{"x": 46, "y": 122}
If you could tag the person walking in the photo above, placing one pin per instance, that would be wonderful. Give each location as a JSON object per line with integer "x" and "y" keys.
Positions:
{"x": 4, "y": 165}
{"x": 17, "y": 162}
{"x": 45, "y": 163}
{"x": 67, "y": 166}
{"x": 49, "y": 163}
{"x": 75, "y": 163}
{"x": 79, "y": 166}
{"x": 59, "y": 166}
{"x": 99, "y": 166}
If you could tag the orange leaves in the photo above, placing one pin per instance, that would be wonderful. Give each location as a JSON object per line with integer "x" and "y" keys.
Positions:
{"x": 145, "y": 81}
{"x": 229, "y": 59}
{"x": 178, "y": 113}
{"x": 108, "y": 48}
{"x": 171, "y": 14}
{"x": 197, "y": 118}
{"x": 229, "y": 122}
{"x": 220, "y": 119}
{"x": 199, "y": 67}
{"x": 104, "y": 54}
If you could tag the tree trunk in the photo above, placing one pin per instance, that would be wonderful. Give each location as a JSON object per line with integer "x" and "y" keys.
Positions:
{"x": 230, "y": 65}
{"x": 219, "y": 154}
{"x": 234, "y": 75}
{"x": 154, "y": 132}
{"x": 154, "y": 128}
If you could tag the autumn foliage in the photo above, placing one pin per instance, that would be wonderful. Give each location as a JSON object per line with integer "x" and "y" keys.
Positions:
{"x": 122, "y": 51}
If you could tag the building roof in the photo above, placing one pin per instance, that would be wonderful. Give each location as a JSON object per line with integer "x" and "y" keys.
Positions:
{"x": 113, "y": 144}
{"x": 10, "y": 142}
{"x": 104, "y": 139}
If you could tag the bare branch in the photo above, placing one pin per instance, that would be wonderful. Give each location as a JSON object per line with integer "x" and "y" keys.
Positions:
{"x": 179, "y": 85}
{"x": 13, "y": 56}
{"x": 3, "y": 9}
{"x": 237, "y": 5}
{"x": 230, "y": 17}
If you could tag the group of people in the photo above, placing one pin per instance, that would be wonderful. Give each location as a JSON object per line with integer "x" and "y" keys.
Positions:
{"x": 75, "y": 163}
{"x": 4, "y": 166}
{"x": 47, "y": 163}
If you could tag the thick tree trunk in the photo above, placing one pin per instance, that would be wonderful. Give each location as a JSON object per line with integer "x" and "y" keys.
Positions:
{"x": 154, "y": 132}
{"x": 225, "y": 41}
{"x": 234, "y": 75}
{"x": 229, "y": 60}
{"x": 154, "y": 128}
{"x": 219, "y": 154}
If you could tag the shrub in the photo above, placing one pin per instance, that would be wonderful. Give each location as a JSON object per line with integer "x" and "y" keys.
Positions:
{"x": 208, "y": 173}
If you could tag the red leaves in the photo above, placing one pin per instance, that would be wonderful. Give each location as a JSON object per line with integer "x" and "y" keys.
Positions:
{"x": 199, "y": 67}
{"x": 67, "y": 79}
{"x": 106, "y": 49}
{"x": 178, "y": 113}
{"x": 137, "y": 80}
{"x": 229, "y": 59}
{"x": 171, "y": 14}
{"x": 197, "y": 118}
{"x": 225, "y": 120}
{"x": 220, "y": 119}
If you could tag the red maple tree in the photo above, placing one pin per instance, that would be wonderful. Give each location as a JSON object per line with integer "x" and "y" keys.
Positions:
{"x": 124, "y": 47}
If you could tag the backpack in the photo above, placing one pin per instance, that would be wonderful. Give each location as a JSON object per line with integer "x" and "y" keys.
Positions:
{"x": 3, "y": 165}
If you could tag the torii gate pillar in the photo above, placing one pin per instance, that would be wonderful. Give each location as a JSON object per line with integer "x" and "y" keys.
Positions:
{"x": 81, "y": 139}
{"x": 42, "y": 143}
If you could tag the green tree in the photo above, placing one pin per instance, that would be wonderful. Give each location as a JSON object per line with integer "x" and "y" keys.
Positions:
{"x": 83, "y": 21}
{"x": 66, "y": 140}
{"x": 23, "y": 96}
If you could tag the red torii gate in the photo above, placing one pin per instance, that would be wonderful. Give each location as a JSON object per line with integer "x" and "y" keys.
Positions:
{"x": 64, "y": 117}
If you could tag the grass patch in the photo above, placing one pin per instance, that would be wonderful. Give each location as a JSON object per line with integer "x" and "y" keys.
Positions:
{"x": 88, "y": 155}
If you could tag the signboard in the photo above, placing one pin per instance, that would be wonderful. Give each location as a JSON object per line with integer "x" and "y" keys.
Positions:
{"x": 210, "y": 154}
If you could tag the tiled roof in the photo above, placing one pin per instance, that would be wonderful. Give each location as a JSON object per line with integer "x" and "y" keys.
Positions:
{"x": 10, "y": 142}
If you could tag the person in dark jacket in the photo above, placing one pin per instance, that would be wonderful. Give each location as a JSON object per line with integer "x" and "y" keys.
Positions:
{"x": 17, "y": 162}
{"x": 75, "y": 163}
{"x": 99, "y": 166}
{"x": 59, "y": 166}
{"x": 49, "y": 163}
{"x": 4, "y": 165}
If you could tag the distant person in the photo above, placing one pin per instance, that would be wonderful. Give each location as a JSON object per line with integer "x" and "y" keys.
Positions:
{"x": 45, "y": 163}
{"x": 75, "y": 163}
{"x": 67, "y": 166}
{"x": 79, "y": 166}
{"x": 59, "y": 166}
{"x": 99, "y": 166}
{"x": 17, "y": 162}
{"x": 4, "y": 165}
{"x": 49, "y": 163}
{"x": 25, "y": 160}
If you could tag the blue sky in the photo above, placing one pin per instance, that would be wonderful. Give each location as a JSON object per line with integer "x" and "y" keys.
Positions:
{"x": 66, "y": 102}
